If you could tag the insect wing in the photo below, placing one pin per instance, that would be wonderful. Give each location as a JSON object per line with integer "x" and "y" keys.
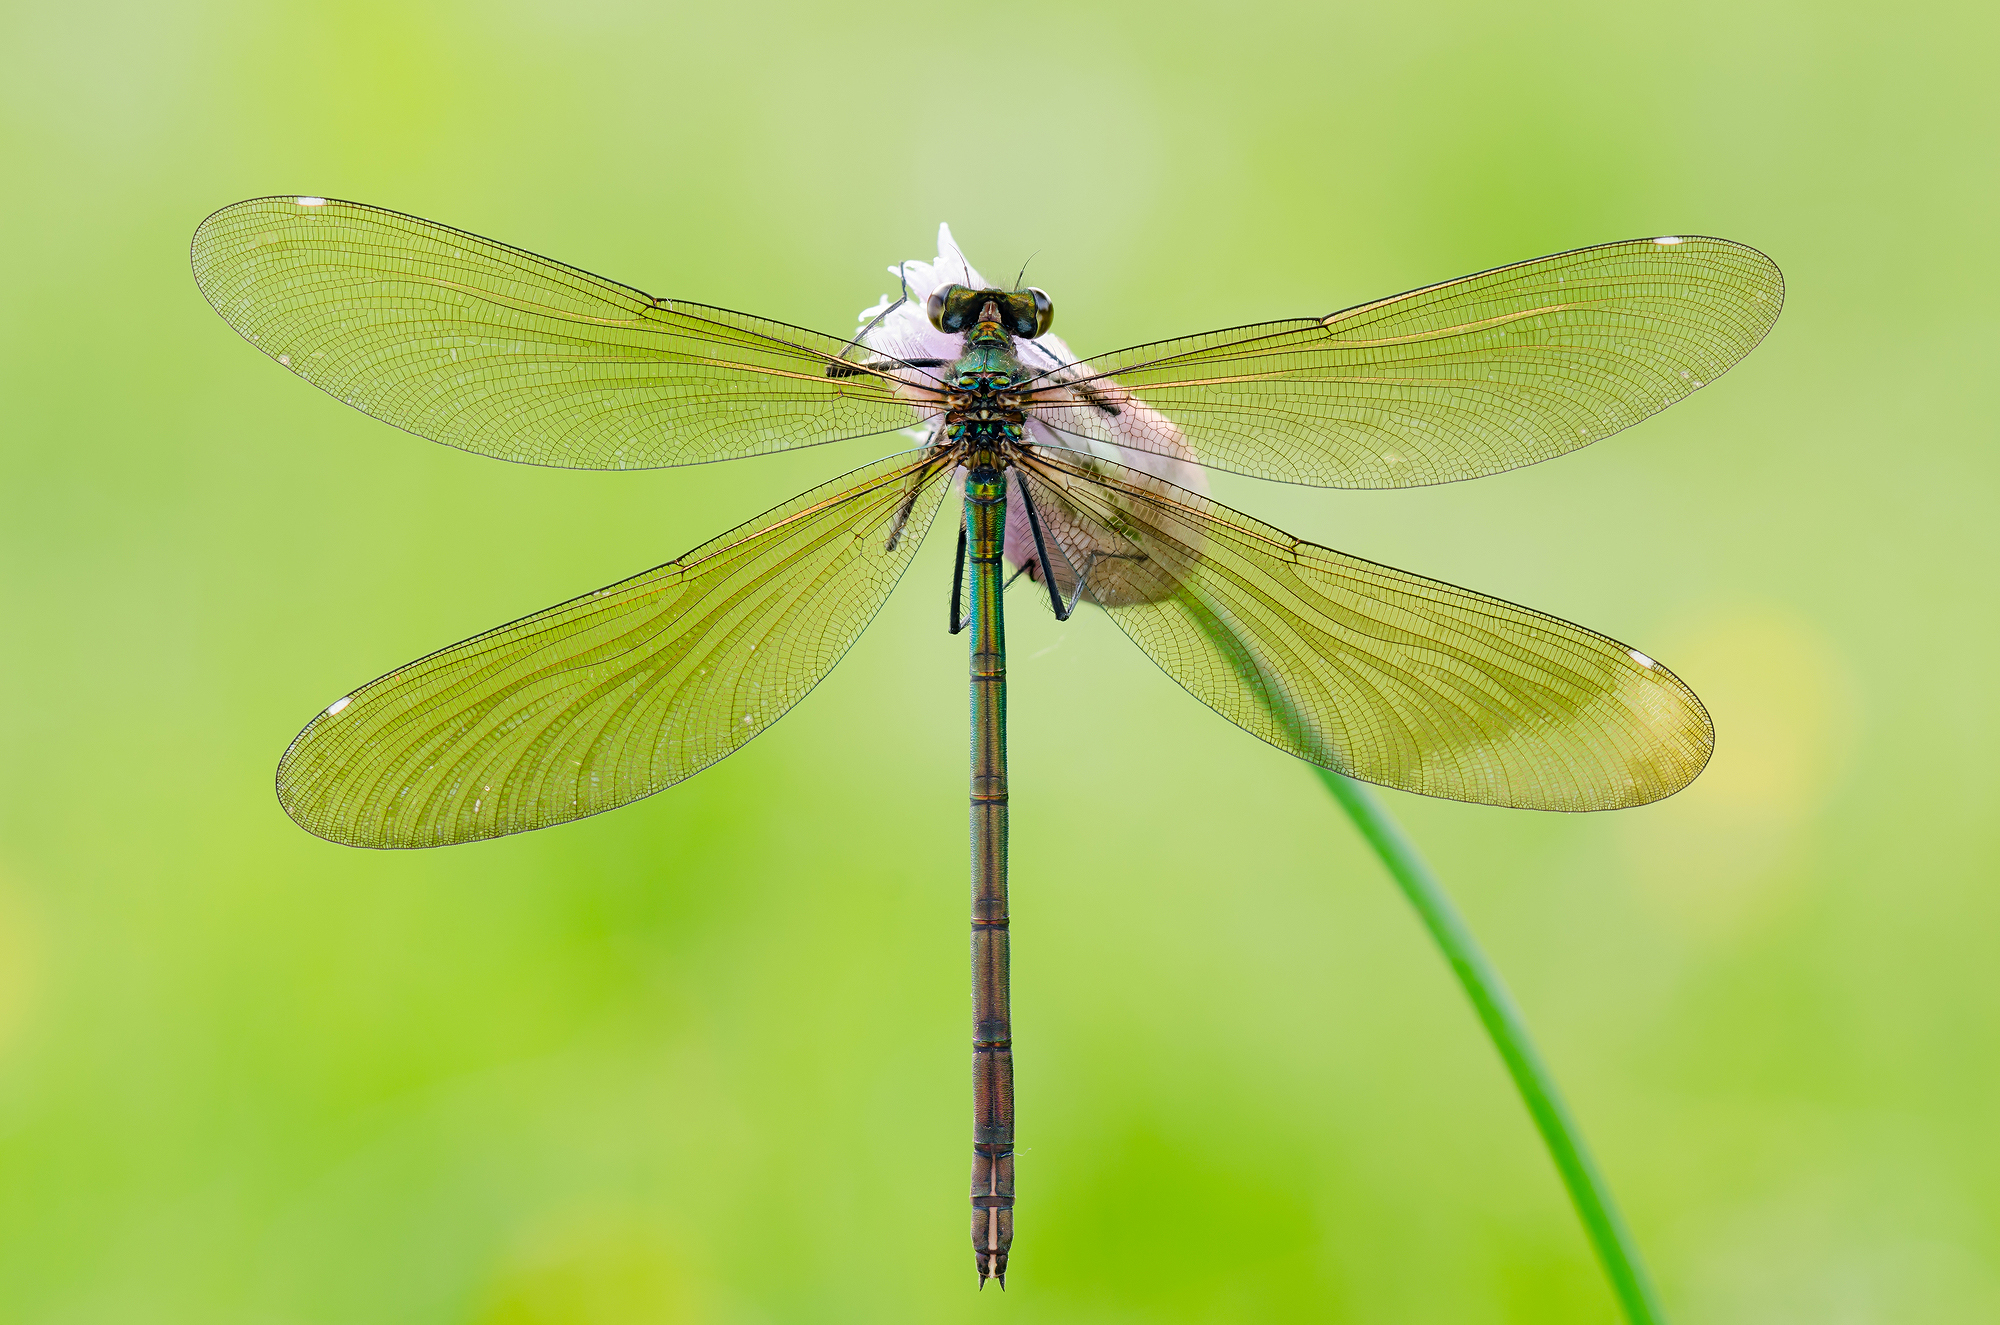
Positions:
{"x": 493, "y": 349}
{"x": 1373, "y": 672}
{"x": 1485, "y": 373}
{"x": 604, "y": 699}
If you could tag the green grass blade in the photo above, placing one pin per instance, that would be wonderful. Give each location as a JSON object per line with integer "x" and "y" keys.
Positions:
{"x": 1509, "y": 1033}
{"x": 1495, "y": 1006}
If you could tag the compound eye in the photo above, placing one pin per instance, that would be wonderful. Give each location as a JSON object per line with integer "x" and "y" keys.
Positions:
{"x": 1045, "y": 312}
{"x": 1020, "y": 315}
{"x": 934, "y": 309}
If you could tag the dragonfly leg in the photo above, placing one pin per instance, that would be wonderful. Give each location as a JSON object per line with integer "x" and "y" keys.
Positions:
{"x": 840, "y": 367}
{"x": 1090, "y": 564}
{"x": 1042, "y": 555}
{"x": 1063, "y": 610}
{"x": 843, "y": 368}
{"x": 909, "y": 504}
{"x": 958, "y": 622}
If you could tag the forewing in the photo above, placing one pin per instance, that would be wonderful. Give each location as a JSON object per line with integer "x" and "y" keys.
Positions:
{"x": 1372, "y": 672}
{"x": 615, "y": 695}
{"x": 1485, "y": 373}
{"x": 492, "y": 349}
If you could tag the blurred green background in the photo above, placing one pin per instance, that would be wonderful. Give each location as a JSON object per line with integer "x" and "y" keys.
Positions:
{"x": 705, "y": 1059}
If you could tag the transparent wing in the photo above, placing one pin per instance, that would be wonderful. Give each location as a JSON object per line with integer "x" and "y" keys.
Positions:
{"x": 1485, "y": 373}
{"x": 492, "y": 349}
{"x": 1372, "y": 672}
{"x": 615, "y": 695}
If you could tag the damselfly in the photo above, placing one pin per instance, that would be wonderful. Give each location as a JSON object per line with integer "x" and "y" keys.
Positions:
{"x": 1087, "y": 476}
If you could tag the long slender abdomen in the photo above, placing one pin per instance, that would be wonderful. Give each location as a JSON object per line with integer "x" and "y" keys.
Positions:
{"x": 992, "y": 1025}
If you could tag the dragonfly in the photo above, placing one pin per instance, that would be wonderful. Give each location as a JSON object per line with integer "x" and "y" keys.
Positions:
{"x": 1085, "y": 475}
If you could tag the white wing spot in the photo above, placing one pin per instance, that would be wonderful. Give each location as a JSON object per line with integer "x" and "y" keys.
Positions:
{"x": 1669, "y": 239}
{"x": 285, "y": 359}
{"x": 339, "y": 704}
{"x": 312, "y": 202}
{"x": 1640, "y": 658}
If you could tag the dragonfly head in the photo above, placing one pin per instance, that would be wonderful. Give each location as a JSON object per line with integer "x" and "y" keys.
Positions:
{"x": 1024, "y": 313}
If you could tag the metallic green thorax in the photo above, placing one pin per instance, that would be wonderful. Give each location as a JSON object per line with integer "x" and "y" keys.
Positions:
{"x": 982, "y": 405}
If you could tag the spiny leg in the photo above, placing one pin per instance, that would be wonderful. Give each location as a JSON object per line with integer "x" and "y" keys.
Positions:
{"x": 1064, "y": 611}
{"x": 958, "y": 622}
{"x": 1042, "y": 555}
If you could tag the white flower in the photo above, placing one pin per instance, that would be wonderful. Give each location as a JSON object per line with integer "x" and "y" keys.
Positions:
{"x": 1137, "y": 436}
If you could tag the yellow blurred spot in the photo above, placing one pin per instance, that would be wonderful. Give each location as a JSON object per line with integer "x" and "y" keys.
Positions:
{"x": 1730, "y": 851}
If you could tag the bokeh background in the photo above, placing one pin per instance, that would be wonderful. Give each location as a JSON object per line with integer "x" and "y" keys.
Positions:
{"x": 705, "y": 1059}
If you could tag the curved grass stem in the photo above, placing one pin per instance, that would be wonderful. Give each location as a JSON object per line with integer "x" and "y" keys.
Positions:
{"x": 1607, "y": 1232}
